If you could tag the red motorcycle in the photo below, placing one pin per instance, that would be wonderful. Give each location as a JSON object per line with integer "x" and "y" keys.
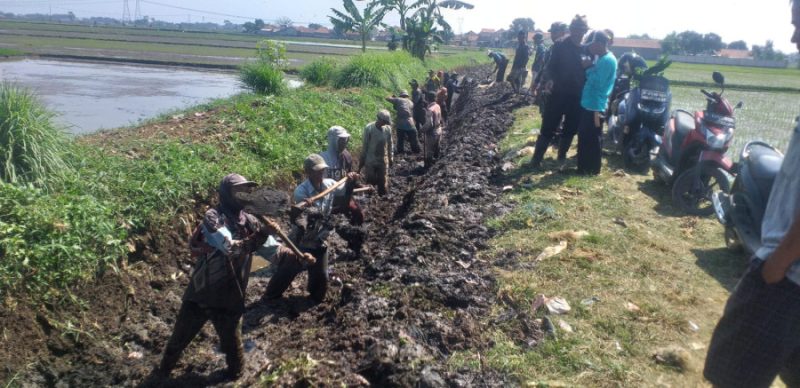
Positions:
{"x": 692, "y": 155}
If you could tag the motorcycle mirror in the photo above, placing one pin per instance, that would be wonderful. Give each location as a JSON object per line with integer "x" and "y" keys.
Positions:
{"x": 740, "y": 105}
{"x": 718, "y": 78}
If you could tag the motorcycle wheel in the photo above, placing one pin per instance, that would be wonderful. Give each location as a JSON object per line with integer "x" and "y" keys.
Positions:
{"x": 636, "y": 159}
{"x": 732, "y": 241}
{"x": 696, "y": 199}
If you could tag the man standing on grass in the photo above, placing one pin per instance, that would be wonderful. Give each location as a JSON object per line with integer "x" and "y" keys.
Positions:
{"x": 538, "y": 57}
{"x": 377, "y": 152}
{"x": 594, "y": 100}
{"x": 758, "y": 336}
{"x": 565, "y": 86}
{"x": 406, "y": 128}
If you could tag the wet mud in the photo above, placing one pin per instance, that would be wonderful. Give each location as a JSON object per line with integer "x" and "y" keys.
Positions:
{"x": 416, "y": 294}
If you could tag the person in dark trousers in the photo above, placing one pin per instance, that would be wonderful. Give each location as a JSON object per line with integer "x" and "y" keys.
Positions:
{"x": 500, "y": 63}
{"x": 418, "y": 98}
{"x": 519, "y": 67}
{"x": 433, "y": 83}
{"x": 600, "y": 77}
{"x": 557, "y": 31}
{"x": 452, "y": 89}
{"x": 377, "y": 152}
{"x": 565, "y": 87}
{"x": 538, "y": 58}
{"x": 312, "y": 238}
{"x": 223, "y": 246}
{"x": 758, "y": 337}
{"x": 406, "y": 127}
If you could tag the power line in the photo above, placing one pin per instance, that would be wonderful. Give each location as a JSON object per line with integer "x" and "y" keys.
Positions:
{"x": 126, "y": 12}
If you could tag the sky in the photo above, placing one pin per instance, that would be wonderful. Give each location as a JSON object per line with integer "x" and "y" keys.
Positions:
{"x": 752, "y": 21}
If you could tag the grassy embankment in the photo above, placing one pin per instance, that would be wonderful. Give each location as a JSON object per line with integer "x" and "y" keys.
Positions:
{"x": 658, "y": 279}
{"x": 120, "y": 186}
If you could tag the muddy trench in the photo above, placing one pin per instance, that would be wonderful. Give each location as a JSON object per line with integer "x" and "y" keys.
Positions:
{"x": 417, "y": 294}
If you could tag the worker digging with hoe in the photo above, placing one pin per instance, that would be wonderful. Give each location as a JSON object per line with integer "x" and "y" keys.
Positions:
{"x": 310, "y": 237}
{"x": 223, "y": 244}
{"x": 340, "y": 164}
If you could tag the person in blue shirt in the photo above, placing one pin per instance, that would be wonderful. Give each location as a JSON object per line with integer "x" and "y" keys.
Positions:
{"x": 500, "y": 63}
{"x": 600, "y": 78}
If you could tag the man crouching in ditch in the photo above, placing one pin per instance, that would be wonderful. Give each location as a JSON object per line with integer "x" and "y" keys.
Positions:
{"x": 223, "y": 245}
{"x": 311, "y": 236}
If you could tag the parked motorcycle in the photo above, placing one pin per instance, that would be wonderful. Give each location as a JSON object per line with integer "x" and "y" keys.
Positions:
{"x": 742, "y": 210}
{"x": 638, "y": 118}
{"x": 692, "y": 156}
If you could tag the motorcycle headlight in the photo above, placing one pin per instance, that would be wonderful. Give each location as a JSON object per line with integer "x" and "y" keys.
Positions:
{"x": 717, "y": 141}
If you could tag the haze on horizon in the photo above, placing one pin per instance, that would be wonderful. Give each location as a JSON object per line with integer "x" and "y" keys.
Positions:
{"x": 753, "y": 22}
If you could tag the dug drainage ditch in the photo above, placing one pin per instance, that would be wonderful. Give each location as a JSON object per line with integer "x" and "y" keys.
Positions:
{"x": 417, "y": 294}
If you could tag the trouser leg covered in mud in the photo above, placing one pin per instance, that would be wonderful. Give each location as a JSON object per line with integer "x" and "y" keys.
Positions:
{"x": 411, "y": 136}
{"x": 377, "y": 175}
{"x": 191, "y": 319}
{"x": 432, "y": 145}
{"x": 289, "y": 268}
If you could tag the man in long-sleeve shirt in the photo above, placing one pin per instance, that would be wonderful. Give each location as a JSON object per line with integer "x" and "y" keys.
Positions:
{"x": 594, "y": 100}
{"x": 406, "y": 127}
{"x": 566, "y": 73}
{"x": 433, "y": 130}
{"x": 377, "y": 153}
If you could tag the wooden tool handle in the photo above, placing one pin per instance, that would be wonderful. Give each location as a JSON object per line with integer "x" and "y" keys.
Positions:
{"x": 285, "y": 239}
{"x": 323, "y": 193}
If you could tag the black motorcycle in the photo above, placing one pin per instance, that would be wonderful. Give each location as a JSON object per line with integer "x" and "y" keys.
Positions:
{"x": 742, "y": 210}
{"x": 637, "y": 118}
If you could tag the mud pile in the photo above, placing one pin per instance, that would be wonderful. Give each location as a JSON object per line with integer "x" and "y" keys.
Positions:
{"x": 415, "y": 295}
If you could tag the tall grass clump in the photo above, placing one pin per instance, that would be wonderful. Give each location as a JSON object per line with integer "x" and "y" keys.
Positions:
{"x": 319, "y": 72}
{"x": 32, "y": 147}
{"x": 265, "y": 75}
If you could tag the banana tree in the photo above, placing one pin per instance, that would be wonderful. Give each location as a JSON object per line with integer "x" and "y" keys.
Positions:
{"x": 353, "y": 20}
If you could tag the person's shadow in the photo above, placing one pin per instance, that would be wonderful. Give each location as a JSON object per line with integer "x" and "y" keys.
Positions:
{"x": 266, "y": 311}
{"x": 662, "y": 194}
{"x": 722, "y": 264}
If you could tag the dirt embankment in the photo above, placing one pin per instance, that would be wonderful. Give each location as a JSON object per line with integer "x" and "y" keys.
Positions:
{"x": 415, "y": 296}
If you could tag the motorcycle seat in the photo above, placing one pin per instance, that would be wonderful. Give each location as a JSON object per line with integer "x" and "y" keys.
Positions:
{"x": 764, "y": 162}
{"x": 684, "y": 122}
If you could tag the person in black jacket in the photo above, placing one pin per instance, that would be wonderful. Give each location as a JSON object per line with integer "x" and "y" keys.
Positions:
{"x": 518, "y": 68}
{"x": 566, "y": 72}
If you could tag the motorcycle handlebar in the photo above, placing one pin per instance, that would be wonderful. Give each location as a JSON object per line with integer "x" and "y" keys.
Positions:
{"x": 709, "y": 95}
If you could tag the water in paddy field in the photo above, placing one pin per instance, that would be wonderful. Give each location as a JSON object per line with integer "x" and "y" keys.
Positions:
{"x": 92, "y": 96}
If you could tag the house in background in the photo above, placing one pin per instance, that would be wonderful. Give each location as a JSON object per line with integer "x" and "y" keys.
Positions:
{"x": 735, "y": 54}
{"x": 649, "y": 49}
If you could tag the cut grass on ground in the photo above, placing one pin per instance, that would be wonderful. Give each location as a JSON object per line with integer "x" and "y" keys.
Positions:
{"x": 653, "y": 273}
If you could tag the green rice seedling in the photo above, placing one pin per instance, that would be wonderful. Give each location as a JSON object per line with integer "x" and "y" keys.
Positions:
{"x": 320, "y": 72}
{"x": 31, "y": 145}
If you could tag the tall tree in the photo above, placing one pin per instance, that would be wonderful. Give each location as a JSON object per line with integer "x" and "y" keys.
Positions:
{"x": 670, "y": 44}
{"x": 517, "y": 25}
{"x": 738, "y": 45}
{"x": 315, "y": 26}
{"x": 356, "y": 21}
{"x": 712, "y": 43}
{"x": 284, "y": 22}
{"x": 403, "y": 8}
{"x": 691, "y": 42}
{"x": 422, "y": 32}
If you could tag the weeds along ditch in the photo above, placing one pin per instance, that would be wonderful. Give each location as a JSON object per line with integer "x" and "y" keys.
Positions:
{"x": 121, "y": 185}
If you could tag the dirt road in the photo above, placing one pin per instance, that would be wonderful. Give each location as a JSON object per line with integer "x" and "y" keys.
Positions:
{"x": 415, "y": 297}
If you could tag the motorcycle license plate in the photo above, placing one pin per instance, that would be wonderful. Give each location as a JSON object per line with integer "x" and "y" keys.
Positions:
{"x": 653, "y": 95}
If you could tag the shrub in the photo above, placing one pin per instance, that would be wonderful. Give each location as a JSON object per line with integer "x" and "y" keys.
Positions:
{"x": 31, "y": 145}
{"x": 262, "y": 78}
{"x": 319, "y": 72}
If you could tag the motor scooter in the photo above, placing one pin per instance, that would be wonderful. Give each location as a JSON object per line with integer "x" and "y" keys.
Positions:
{"x": 741, "y": 210}
{"x": 692, "y": 154}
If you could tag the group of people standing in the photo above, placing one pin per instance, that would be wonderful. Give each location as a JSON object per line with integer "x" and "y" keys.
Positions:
{"x": 226, "y": 239}
{"x": 572, "y": 81}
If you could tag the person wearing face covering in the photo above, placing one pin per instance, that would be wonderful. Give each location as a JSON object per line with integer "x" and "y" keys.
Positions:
{"x": 340, "y": 164}
{"x": 223, "y": 245}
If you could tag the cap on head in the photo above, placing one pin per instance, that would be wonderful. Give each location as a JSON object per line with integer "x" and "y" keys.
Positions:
{"x": 413, "y": 82}
{"x": 558, "y": 27}
{"x": 538, "y": 37}
{"x": 579, "y": 22}
{"x": 403, "y": 93}
{"x": 598, "y": 36}
{"x": 232, "y": 180}
{"x": 385, "y": 116}
{"x": 340, "y": 131}
{"x": 314, "y": 162}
